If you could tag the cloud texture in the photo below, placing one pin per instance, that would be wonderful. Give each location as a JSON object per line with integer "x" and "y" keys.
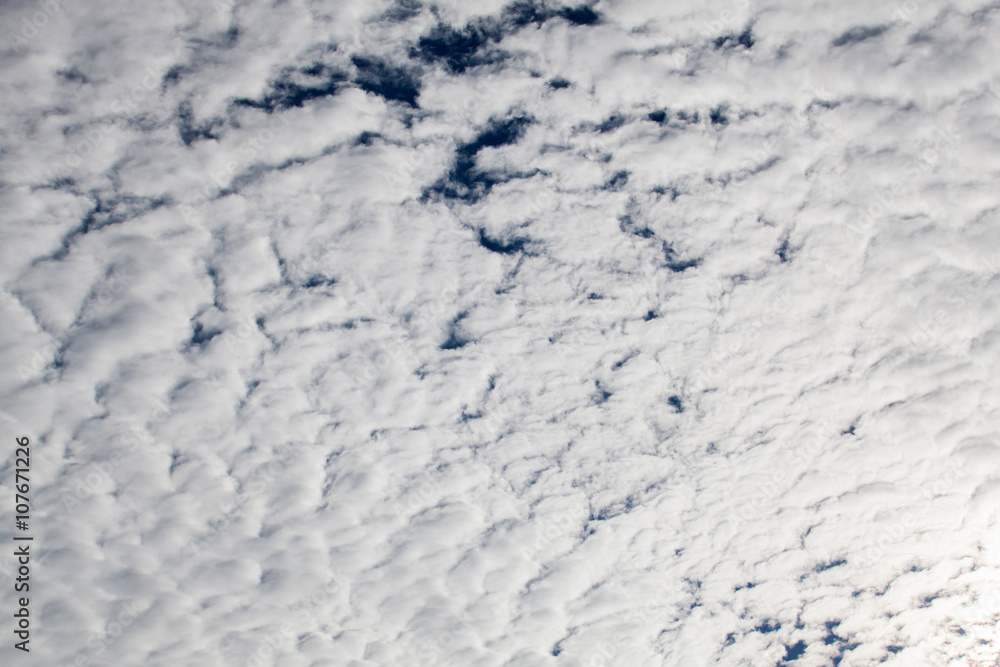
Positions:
{"x": 504, "y": 334}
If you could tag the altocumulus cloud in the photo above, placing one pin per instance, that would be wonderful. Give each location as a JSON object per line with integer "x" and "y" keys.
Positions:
{"x": 505, "y": 333}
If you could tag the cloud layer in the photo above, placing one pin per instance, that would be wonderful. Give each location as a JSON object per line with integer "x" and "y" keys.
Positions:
{"x": 624, "y": 333}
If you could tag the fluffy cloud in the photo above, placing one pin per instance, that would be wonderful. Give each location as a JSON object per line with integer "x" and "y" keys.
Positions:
{"x": 624, "y": 333}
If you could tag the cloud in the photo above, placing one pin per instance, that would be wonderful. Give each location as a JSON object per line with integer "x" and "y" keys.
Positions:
{"x": 504, "y": 333}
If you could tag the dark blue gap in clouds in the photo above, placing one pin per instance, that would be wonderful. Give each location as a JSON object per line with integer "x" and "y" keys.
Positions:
{"x": 319, "y": 281}
{"x": 108, "y": 211}
{"x": 190, "y": 131}
{"x": 718, "y": 116}
{"x": 672, "y": 190}
{"x": 469, "y": 416}
{"x": 689, "y": 118}
{"x": 617, "y": 181}
{"x": 174, "y": 75}
{"x": 391, "y": 82}
{"x": 456, "y": 340}
{"x": 117, "y": 209}
{"x": 602, "y": 395}
{"x": 767, "y": 627}
{"x": 795, "y": 651}
{"x": 511, "y": 247}
{"x": 842, "y": 645}
{"x": 524, "y": 12}
{"x": 627, "y": 225}
{"x": 844, "y": 649}
{"x": 176, "y": 461}
{"x": 466, "y": 183}
{"x": 611, "y": 511}
{"x": 618, "y": 364}
{"x": 403, "y": 10}
{"x": 200, "y": 335}
{"x": 229, "y": 38}
{"x": 731, "y": 41}
{"x": 66, "y": 183}
{"x": 674, "y": 264}
{"x": 580, "y": 15}
{"x": 612, "y": 123}
{"x": 858, "y": 34}
{"x": 557, "y": 647}
{"x": 497, "y": 133}
{"x": 72, "y": 75}
{"x": 783, "y": 251}
{"x": 213, "y": 275}
{"x": 459, "y": 49}
{"x": 823, "y": 567}
{"x": 285, "y": 93}
{"x": 367, "y": 138}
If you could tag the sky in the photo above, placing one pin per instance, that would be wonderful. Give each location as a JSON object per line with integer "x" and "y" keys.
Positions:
{"x": 485, "y": 333}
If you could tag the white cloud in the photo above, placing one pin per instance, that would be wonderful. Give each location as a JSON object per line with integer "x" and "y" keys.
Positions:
{"x": 693, "y": 365}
